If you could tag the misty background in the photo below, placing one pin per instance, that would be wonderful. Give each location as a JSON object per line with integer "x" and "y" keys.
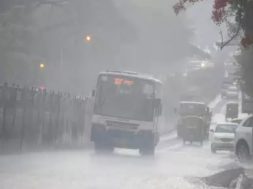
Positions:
{"x": 144, "y": 36}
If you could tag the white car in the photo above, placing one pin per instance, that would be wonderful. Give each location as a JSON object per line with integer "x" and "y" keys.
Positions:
{"x": 223, "y": 136}
{"x": 243, "y": 139}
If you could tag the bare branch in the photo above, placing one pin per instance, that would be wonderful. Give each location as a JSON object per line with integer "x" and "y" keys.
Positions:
{"x": 223, "y": 44}
{"x": 221, "y": 34}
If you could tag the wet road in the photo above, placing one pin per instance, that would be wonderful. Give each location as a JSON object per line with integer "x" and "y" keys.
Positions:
{"x": 173, "y": 167}
{"x": 123, "y": 169}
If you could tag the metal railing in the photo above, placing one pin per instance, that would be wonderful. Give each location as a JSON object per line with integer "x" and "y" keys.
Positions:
{"x": 33, "y": 118}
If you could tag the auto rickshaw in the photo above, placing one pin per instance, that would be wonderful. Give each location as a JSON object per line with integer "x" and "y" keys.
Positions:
{"x": 193, "y": 129}
{"x": 231, "y": 110}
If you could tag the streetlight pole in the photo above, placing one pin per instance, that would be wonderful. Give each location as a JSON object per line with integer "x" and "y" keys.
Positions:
{"x": 37, "y": 71}
{"x": 42, "y": 67}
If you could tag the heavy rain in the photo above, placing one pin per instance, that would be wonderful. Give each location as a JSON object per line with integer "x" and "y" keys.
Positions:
{"x": 106, "y": 94}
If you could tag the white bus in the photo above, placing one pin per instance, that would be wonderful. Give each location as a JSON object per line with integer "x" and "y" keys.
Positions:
{"x": 126, "y": 112}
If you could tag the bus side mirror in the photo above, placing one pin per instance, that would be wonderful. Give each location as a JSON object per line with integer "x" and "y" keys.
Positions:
{"x": 93, "y": 93}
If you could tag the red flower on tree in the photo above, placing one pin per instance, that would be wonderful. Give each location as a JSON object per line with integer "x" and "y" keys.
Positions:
{"x": 221, "y": 11}
{"x": 218, "y": 12}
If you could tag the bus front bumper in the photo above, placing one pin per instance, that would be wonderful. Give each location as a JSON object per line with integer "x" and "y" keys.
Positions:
{"x": 122, "y": 138}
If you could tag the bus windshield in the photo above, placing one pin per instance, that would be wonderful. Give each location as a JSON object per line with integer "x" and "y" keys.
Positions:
{"x": 125, "y": 97}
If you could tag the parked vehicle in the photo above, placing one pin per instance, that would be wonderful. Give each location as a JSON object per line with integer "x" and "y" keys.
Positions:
{"x": 239, "y": 119}
{"x": 193, "y": 129}
{"x": 244, "y": 139}
{"x": 222, "y": 136}
{"x": 231, "y": 110}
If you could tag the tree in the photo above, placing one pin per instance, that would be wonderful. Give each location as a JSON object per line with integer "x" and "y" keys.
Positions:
{"x": 242, "y": 12}
{"x": 223, "y": 10}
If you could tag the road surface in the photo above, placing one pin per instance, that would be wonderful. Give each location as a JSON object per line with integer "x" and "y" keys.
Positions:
{"x": 173, "y": 167}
